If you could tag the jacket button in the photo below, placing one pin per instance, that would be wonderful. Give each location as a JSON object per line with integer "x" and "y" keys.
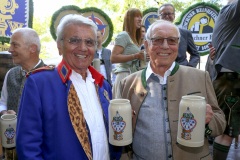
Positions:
{"x": 165, "y": 98}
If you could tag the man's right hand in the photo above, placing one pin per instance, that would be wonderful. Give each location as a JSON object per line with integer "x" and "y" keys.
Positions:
{"x": 212, "y": 52}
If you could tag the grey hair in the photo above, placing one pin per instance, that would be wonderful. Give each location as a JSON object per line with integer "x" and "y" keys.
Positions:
{"x": 157, "y": 22}
{"x": 74, "y": 19}
{"x": 29, "y": 36}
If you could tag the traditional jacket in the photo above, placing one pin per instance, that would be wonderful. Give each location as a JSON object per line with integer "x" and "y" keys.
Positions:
{"x": 44, "y": 129}
{"x": 179, "y": 83}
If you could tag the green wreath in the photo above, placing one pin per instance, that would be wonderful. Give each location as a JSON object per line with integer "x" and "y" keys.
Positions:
{"x": 152, "y": 9}
{"x": 30, "y": 22}
{"x": 81, "y": 11}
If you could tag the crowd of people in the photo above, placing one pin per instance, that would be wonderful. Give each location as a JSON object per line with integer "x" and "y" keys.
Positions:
{"x": 63, "y": 110}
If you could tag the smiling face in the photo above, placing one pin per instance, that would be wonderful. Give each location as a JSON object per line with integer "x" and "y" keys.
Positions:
{"x": 19, "y": 49}
{"x": 167, "y": 13}
{"x": 138, "y": 21}
{"x": 78, "y": 55}
{"x": 143, "y": 30}
{"x": 162, "y": 53}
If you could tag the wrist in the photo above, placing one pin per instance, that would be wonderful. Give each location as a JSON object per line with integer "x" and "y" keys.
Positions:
{"x": 134, "y": 56}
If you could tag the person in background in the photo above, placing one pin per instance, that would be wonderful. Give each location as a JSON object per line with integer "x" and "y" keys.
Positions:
{"x": 63, "y": 112}
{"x": 223, "y": 62}
{"x": 143, "y": 29}
{"x": 155, "y": 94}
{"x": 126, "y": 51}
{"x": 25, "y": 49}
{"x": 167, "y": 12}
{"x": 104, "y": 55}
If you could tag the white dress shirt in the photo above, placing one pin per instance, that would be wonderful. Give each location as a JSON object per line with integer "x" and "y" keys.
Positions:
{"x": 162, "y": 80}
{"x": 93, "y": 114}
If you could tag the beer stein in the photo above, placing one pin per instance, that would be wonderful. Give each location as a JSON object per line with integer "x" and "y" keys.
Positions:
{"x": 120, "y": 122}
{"x": 8, "y": 130}
{"x": 191, "y": 121}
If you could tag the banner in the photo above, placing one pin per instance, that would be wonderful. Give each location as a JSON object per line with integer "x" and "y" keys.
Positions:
{"x": 14, "y": 14}
{"x": 200, "y": 19}
{"x": 149, "y": 16}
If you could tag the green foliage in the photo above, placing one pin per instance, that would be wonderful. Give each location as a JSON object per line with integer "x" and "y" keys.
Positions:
{"x": 41, "y": 26}
{"x": 80, "y": 11}
{"x": 150, "y": 10}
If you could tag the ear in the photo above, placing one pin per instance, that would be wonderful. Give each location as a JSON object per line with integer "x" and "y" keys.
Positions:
{"x": 33, "y": 48}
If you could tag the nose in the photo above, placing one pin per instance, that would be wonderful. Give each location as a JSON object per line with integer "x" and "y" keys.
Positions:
{"x": 82, "y": 45}
{"x": 10, "y": 49}
{"x": 165, "y": 44}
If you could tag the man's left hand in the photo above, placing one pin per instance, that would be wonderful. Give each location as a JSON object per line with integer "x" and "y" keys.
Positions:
{"x": 209, "y": 114}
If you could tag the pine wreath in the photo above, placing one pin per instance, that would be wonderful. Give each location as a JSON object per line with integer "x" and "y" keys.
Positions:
{"x": 71, "y": 9}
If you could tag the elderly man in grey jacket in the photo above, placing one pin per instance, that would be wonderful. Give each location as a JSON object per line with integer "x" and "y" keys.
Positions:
{"x": 155, "y": 94}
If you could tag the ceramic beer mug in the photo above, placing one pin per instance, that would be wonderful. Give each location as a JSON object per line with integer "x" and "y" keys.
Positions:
{"x": 191, "y": 121}
{"x": 96, "y": 64}
{"x": 8, "y": 130}
{"x": 120, "y": 122}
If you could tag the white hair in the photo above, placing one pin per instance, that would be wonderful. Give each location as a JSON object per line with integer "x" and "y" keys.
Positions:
{"x": 74, "y": 19}
{"x": 29, "y": 36}
{"x": 157, "y": 22}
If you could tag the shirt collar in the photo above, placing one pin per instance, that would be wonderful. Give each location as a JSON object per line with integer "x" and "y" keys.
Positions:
{"x": 24, "y": 72}
{"x": 65, "y": 71}
{"x": 89, "y": 75}
{"x": 149, "y": 71}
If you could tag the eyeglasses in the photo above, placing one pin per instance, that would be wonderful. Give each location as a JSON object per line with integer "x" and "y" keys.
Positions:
{"x": 159, "y": 40}
{"x": 166, "y": 14}
{"x": 76, "y": 41}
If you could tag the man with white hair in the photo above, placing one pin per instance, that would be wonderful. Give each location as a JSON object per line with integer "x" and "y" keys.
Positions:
{"x": 63, "y": 112}
{"x": 155, "y": 93}
{"x": 25, "y": 49}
